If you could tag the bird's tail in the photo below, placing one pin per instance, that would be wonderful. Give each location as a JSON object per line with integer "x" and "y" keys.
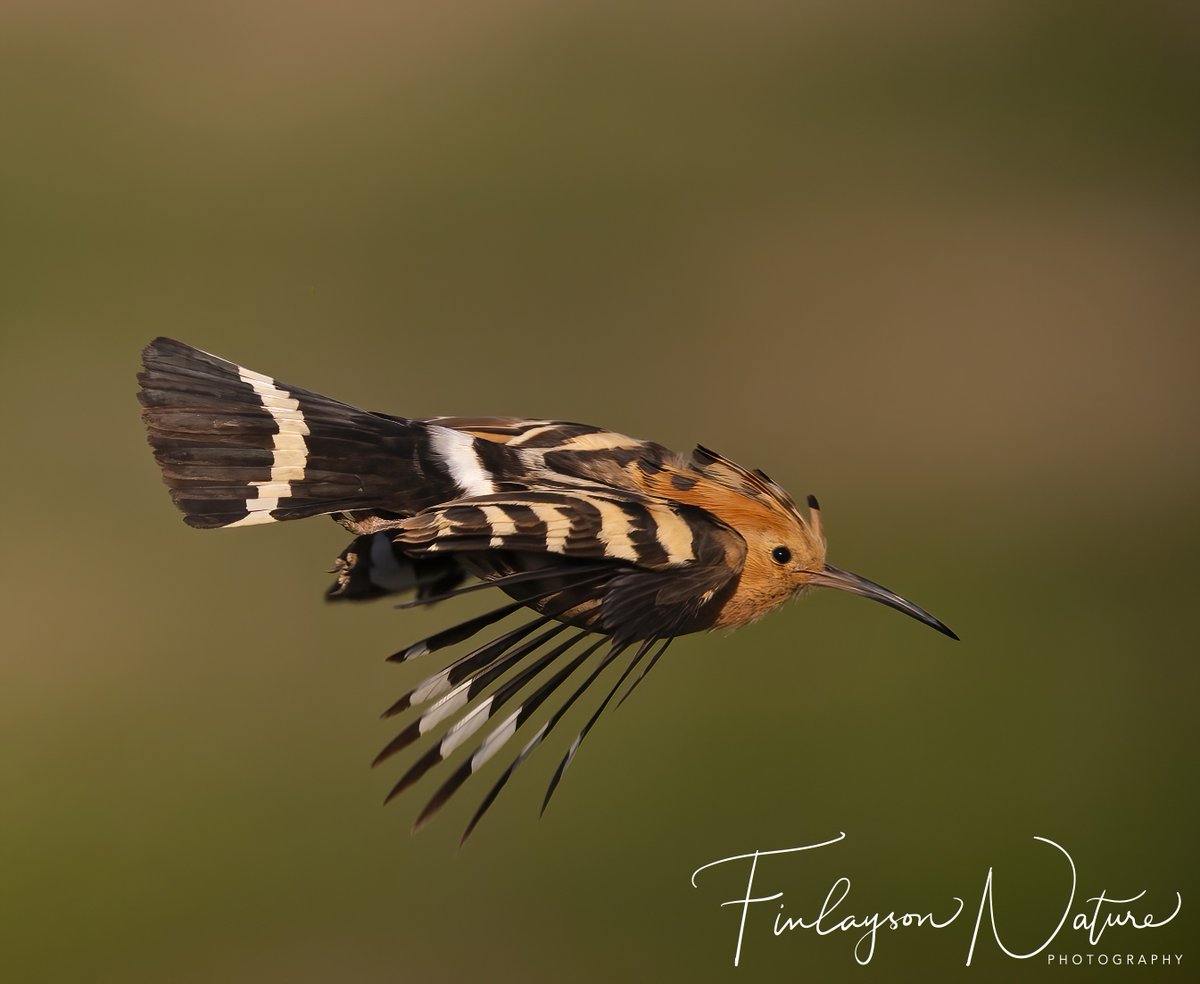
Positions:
{"x": 238, "y": 448}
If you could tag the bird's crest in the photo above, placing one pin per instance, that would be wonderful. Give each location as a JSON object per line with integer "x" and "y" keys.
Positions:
{"x": 755, "y": 483}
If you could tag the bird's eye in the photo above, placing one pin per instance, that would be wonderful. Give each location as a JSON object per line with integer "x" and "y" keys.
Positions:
{"x": 781, "y": 555}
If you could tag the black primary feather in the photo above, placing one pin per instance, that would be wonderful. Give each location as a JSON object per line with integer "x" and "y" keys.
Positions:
{"x": 574, "y": 747}
{"x": 505, "y": 730}
{"x": 543, "y": 733}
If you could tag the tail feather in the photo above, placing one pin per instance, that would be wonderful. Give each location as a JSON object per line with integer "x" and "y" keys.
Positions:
{"x": 238, "y": 448}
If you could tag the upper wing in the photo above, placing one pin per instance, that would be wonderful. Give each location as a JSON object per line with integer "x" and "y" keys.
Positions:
{"x": 562, "y": 452}
{"x": 672, "y": 562}
{"x": 516, "y": 431}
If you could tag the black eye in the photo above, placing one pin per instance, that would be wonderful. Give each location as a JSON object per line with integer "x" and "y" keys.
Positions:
{"x": 781, "y": 555}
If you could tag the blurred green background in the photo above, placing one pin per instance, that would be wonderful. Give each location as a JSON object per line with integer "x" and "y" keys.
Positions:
{"x": 937, "y": 262}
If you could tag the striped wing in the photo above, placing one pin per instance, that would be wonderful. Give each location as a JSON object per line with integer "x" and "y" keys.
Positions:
{"x": 671, "y": 562}
{"x": 663, "y": 568}
{"x": 501, "y": 685}
{"x": 517, "y": 432}
{"x": 591, "y": 523}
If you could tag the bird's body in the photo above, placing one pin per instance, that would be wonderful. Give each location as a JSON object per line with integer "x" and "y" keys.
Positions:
{"x": 614, "y": 538}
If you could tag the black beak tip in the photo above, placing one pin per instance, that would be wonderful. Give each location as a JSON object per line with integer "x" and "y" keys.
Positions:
{"x": 946, "y": 630}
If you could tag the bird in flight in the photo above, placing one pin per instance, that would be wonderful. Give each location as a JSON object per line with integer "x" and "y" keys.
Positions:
{"x": 612, "y": 545}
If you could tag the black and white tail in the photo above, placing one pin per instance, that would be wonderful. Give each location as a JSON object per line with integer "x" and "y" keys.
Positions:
{"x": 238, "y": 448}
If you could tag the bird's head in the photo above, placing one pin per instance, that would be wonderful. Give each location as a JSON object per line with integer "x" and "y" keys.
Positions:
{"x": 785, "y": 551}
{"x": 790, "y": 559}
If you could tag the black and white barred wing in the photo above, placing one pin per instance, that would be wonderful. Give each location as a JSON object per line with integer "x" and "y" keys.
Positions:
{"x": 669, "y": 561}
{"x": 646, "y": 570}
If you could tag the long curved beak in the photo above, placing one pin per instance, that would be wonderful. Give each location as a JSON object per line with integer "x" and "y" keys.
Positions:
{"x": 835, "y": 577}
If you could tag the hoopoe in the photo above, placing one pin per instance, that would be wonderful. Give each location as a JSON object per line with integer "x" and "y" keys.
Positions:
{"x": 615, "y": 545}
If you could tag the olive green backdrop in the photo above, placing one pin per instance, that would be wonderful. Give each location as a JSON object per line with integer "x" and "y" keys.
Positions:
{"x": 934, "y": 262}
